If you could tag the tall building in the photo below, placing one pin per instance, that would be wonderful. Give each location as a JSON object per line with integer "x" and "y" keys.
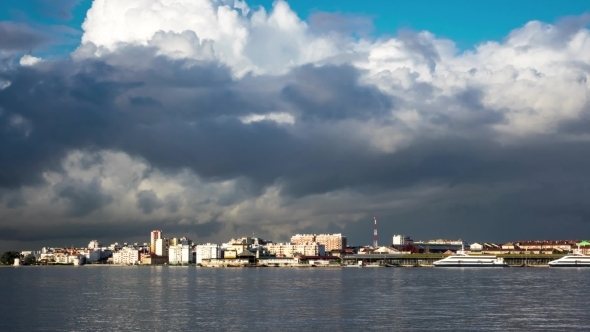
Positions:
{"x": 162, "y": 246}
{"x": 330, "y": 241}
{"x": 154, "y": 235}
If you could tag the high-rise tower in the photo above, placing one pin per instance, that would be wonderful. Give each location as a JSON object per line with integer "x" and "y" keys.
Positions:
{"x": 375, "y": 233}
{"x": 154, "y": 235}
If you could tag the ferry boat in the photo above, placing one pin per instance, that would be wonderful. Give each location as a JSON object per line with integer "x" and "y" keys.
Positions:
{"x": 461, "y": 259}
{"x": 576, "y": 259}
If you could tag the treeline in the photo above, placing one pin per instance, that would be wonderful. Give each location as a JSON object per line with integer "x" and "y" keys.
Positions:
{"x": 8, "y": 258}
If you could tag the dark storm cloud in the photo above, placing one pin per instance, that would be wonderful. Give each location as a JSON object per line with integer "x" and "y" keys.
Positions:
{"x": 20, "y": 37}
{"x": 177, "y": 115}
{"x": 147, "y": 201}
{"x": 82, "y": 198}
{"x": 16, "y": 200}
{"x": 333, "y": 93}
{"x": 173, "y": 203}
{"x": 144, "y": 101}
{"x": 107, "y": 231}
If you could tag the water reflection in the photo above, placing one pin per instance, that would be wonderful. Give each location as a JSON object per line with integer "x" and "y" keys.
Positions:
{"x": 289, "y": 299}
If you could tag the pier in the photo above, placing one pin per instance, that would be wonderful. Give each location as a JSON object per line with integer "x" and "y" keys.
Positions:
{"x": 426, "y": 260}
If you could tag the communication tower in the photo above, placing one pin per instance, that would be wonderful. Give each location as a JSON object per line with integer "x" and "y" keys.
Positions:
{"x": 375, "y": 233}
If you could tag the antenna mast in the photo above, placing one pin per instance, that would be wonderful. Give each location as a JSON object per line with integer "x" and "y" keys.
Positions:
{"x": 375, "y": 233}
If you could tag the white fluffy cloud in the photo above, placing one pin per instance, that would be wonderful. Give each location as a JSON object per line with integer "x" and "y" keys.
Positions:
{"x": 29, "y": 60}
{"x": 246, "y": 40}
{"x": 535, "y": 78}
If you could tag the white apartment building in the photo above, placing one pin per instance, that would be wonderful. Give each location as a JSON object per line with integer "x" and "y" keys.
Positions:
{"x": 180, "y": 254}
{"x": 207, "y": 251}
{"x": 37, "y": 254}
{"x": 476, "y": 247}
{"x": 401, "y": 240}
{"x": 94, "y": 244}
{"x": 126, "y": 256}
{"x": 290, "y": 249}
{"x": 62, "y": 258}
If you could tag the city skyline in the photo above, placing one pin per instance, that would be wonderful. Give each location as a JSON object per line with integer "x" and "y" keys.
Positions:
{"x": 216, "y": 119}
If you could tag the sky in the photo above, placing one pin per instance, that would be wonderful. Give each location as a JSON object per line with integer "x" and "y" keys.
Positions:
{"x": 215, "y": 119}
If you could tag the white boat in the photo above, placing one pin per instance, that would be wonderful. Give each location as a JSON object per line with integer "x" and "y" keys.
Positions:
{"x": 577, "y": 259}
{"x": 461, "y": 259}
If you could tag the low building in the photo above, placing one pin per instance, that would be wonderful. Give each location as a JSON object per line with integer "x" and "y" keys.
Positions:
{"x": 126, "y": 256}
{"x": 476, "y": 247}
{"x": 290, "y": 249}
{"x": 386, "y": 250}
{"x": 180, "y": 254}
{"x": 319, "y": 260}
{"x": 566, "y": 245}
{"x": 207, "y": 251}
{"x": 330, "y": 241}
{"x": 401, "y": 240}
{"x": 36, "y": 254}
{"x": 153, "y": 259}
{"x": 277, "y": 261}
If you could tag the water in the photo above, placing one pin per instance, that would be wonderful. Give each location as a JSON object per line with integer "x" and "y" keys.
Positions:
{"x": 290, "y": 299}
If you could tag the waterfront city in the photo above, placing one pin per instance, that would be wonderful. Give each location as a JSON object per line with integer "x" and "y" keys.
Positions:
{"x": 303, "y": 250}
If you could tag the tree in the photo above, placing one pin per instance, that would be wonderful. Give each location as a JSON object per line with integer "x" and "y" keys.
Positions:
{"x": 8, "y": 257}
{"x": 30, "y": 259}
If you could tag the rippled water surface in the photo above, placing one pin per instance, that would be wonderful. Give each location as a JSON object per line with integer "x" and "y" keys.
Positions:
{"x": 290, "y": 299}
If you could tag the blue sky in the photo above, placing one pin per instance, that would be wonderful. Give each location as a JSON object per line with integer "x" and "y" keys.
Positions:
{"x": 467, "y": 23}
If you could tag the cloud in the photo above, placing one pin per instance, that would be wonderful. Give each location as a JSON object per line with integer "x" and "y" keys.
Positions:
{"x": 28, "y": 60}
{"x": 220, "y": 120}
{"x": 345, "y": 24}
{"x": 147, "y": 201}
{"x": 82, "y": 198}
{"x": 20, "y": 37}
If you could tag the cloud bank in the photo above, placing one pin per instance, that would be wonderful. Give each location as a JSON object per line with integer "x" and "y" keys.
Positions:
{"x": 215, "y": 119}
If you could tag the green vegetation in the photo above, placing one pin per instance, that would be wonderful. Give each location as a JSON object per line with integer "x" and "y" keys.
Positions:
{"x": 8, "y": 257}
{"x": 30, "y": 260}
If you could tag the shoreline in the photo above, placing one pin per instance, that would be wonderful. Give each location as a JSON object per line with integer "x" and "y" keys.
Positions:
{"x": 262, "y": 266}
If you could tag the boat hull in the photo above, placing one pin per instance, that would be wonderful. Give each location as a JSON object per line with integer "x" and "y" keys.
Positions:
{"x": 570, "y": 265}
{"x": 471, "y": 265}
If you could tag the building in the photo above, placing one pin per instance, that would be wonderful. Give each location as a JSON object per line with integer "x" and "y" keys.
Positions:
{"x": 476, "y": 247}
{"x": 400, "y": 240}
{"x": 180, "y": 254}
{"x": 162, "y": 246}
{"x": 207, "y": 251}
{"x": 249, "y": 241}
{"x": 154, "y": 236}
{"x": 330, "y": 241}
{"x": 386, "y": 250}
{"x": 290, "y": 249}
{"x": 565, "y": 245}
{"x": 36, "y": 254}
{"x": 153, "y": 259}
{"x": 126, "y": 256}
{"x": 440, "y": 245}
{"x": 94, "y": 244}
